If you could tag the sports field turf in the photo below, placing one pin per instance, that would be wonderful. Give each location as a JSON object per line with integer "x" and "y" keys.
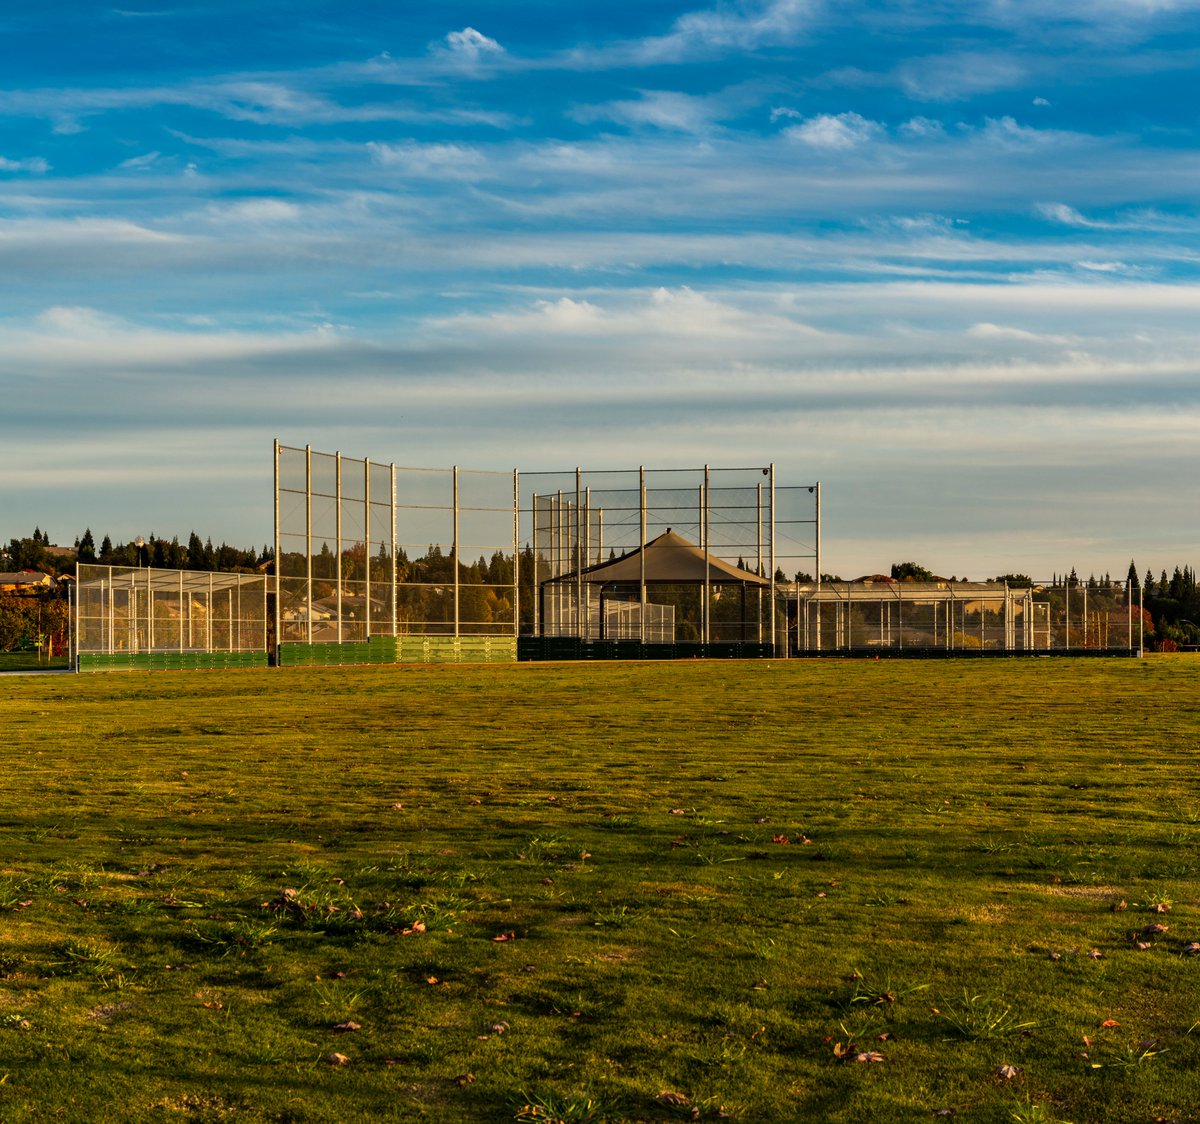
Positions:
{"x": 869, "y": 891}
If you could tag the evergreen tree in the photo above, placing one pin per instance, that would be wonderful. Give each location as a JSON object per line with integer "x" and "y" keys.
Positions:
{"x": 86, "y": 547}
{"x": 195, "y": 552}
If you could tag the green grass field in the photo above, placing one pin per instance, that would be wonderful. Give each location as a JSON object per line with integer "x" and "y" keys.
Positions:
{"x": 843, "y": 891}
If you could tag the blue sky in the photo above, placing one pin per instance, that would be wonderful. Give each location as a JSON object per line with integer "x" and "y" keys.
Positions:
{"x": 941, "y": 256}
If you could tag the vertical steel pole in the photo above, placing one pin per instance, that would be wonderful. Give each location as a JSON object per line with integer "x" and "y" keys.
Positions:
{"x": 393, "y": 582}
{"x": 366, "y": 548}
{"x": 278, "y": 560}
{"x": 516, "y": 566}
{"x": 537, "y": 549}
{"x": 189, "y": 613}
{"x": 586, "y": 554}
{"x": 771, "y": 597}
{"x": 758, "y": 565}
{"x": 337, "y": 523}
{"x": 308, "y": 582}
{"x": 455, "y": 552}
{"x": 577, "y": 553}
{"x": 1067, "y": 587}
{"x": 707, "y": 636}
{"x": 642, "y": 553}
{"x": 817, "y": 552}
{"x": 1141, "y": 623}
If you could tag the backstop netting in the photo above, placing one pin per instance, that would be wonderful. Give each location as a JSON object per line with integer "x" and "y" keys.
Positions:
{"x": 134, "y": 617}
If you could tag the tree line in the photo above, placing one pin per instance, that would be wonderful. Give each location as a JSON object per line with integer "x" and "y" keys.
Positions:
{"x": 35, "y": 552}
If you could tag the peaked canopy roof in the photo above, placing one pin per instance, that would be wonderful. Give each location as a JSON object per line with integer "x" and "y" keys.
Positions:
{"x": 670, "y": 560}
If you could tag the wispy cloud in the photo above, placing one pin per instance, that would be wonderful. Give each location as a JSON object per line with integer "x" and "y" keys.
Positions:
{"x": 35, "y": 164}
{"x": 839, "y": 131}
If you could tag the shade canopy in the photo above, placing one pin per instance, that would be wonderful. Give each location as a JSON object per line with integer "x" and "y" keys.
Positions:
{"x": 669, "y": 560}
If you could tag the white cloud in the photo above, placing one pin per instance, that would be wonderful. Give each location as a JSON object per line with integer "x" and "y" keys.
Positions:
{"x": 923, "y": 128}
{"x": 436, "y": 161}
{"x": 1041, "y": 102}
{"x": 138, "y": 163}
{"x": 1066, "y": 215}
{"x": 1006, "y": 132}
{"x": 955, "y": 76}
{"x": 661, "y": 109}
{"x": 835, "y": 131}
{"x": 741, "y": 25}
{"x": 1104, "y": 266}
{"x": 470, "y": 45}
{"x": 35, "y": 164}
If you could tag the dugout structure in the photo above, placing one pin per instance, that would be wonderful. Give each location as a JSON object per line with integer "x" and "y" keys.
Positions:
{"x": 140, "y": 618}
{"x": 379, "y": 563}
{"x": 655, "y": 563}
{"x": 886, "y": 617}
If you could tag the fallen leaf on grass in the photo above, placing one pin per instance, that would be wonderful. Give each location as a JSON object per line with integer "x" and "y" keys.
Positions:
{"x": 1155, "y": 930}
{"x": 1108, "y": 1024}
{"x": 869, "y": 1056}
{"x": 397, "y": 807}
{"x": 1192, "y": 948}
{"x": 507, "y": 935}
{"x": 1008, "y": 1072}
{"x": 1095, "y": 954}
{"x": 677, "y": 811}
{"x": 464, "y": 1079}
{"x": 337, "y": 1059}
{"x": 1119, "y": 906}
{"x": 431, "y": 980}
{"x": 1141, "y": 946}
{"x": 673, "y": 1100}
{"x": 346, "y": 1027}
{"x": 1160, "y": 907}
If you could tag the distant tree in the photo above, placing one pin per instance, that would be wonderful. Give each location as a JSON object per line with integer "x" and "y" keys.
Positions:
{"x": 911, "y": 571}
{"x": 1072, "y": 579}
{"x": 195, "y": 553}
{"x": 86, "y": 550}
{"x": 1016, "y": 581}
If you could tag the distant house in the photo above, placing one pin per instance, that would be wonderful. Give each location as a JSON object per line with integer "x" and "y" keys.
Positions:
{"x": 25, "y": 581}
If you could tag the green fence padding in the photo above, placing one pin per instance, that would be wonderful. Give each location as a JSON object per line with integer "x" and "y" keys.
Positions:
{"x": 92, "y": 662}
{"x": 402, "y": 649}
{"x": 572, "y": 648}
